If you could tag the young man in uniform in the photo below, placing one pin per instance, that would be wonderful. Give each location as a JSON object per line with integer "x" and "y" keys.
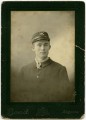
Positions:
{"x": 43, "y": 80}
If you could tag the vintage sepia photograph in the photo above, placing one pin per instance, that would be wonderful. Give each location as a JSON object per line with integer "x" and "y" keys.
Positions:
{"x": 42, "y": 56}
{"x": 43, "y": 49}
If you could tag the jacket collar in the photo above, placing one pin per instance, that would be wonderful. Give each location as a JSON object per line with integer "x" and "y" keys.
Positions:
{"x": 43, "y": 64}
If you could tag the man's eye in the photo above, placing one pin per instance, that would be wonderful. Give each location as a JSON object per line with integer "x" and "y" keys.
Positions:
{"x": 46, "y": 45}
{"x": 39, "y": 44}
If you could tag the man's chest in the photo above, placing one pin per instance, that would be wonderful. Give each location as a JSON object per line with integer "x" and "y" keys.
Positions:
{"x": 42, "y": 75}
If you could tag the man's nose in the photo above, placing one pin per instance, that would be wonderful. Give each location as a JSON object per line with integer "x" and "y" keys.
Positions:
{"x": 42, "y": 47}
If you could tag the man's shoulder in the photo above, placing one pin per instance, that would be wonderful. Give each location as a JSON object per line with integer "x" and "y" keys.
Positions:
{"x": 58, "y": 65}
{"x": 55, "y": 65}
{"x": 28, "y": 66}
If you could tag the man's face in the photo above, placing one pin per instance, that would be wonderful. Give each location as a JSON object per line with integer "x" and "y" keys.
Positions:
{"x": 41, "y": 49}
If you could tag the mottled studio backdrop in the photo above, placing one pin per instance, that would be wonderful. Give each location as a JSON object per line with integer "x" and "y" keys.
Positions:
{"x": 60, "y": 26}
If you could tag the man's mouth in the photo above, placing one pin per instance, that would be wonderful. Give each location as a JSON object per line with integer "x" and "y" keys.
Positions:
{"x": 42, "y": 52}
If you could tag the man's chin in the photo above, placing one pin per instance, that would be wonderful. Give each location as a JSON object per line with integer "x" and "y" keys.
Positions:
{"x": 43, "y": 57}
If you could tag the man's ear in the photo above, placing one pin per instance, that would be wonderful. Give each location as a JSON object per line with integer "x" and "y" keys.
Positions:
{"x": 50, "y": 47}
{"x": 32, "y": 47}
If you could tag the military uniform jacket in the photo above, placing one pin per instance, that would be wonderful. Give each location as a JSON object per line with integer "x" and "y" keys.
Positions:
{"x": 50, "y": 83}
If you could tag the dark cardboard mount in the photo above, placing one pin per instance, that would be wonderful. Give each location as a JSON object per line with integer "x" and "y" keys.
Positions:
{"x": 43, "y": 110}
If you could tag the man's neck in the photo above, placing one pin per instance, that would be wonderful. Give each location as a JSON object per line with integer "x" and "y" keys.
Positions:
{"x": 41, "y": 60}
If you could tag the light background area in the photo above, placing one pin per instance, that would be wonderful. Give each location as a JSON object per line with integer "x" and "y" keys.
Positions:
{"x": 60, "y": 26}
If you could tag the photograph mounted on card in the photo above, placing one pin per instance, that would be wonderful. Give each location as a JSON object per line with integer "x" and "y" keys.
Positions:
{"x": 43, "y": 59}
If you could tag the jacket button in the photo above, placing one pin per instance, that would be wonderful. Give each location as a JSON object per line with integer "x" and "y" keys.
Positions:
{"x": 37, "y": 76}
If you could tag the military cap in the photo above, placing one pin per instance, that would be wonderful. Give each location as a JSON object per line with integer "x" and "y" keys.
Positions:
{"x": 40, "y": 36}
